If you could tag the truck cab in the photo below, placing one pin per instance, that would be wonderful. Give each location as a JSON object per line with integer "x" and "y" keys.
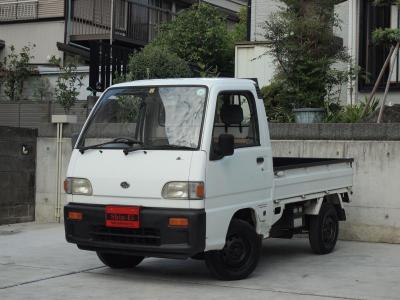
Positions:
{"x": 183, "y": 168}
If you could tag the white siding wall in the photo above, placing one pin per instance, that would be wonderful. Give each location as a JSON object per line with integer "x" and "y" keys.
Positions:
{"x": 251, "y": 63}
{"x": 44, "y": 35}
{"x": 260, "y": 11}
{"x": 249, "y": 59}
{"x": 232, "y": 5}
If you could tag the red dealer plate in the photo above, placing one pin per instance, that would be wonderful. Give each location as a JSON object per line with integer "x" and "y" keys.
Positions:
{"x": 122, "y": 216}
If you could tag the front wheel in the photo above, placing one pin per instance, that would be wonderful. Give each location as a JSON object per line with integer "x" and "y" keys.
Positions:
{"x": 324, "y": 229}
{"x": 119, "y": 261}
{"x": 240, "y": 255}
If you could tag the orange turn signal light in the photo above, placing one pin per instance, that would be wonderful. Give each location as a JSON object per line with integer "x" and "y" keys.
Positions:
{"x": 200, "y": 190}
{"x": 75, "y": 215}
{"x": 66, "y": 185}
{"x": 178, "y": 222}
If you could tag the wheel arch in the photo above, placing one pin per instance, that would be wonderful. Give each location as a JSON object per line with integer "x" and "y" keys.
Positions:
{"x": 246, "y": 214}
{"x": 313, "y": 207}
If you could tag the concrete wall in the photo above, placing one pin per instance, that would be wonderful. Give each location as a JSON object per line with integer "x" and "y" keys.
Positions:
{"x": 17, "y": 174}
{"x": 373, "y": 214}
{"x": 46, "y": 176}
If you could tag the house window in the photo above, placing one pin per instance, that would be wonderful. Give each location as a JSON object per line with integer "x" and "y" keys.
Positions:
{"x": 371, "y": 56}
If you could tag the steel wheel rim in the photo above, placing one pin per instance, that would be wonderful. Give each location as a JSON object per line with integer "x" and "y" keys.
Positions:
{"x": 329, "y": 230}
{"x": 236, "y": 251}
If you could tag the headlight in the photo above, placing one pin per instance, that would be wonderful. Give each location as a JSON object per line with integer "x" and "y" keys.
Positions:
{"x": 183, "y": 190}
{"x": 77, "y": 186}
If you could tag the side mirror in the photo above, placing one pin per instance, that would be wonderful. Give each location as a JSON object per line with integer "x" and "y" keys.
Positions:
{"x": 74, "y": 138}
{"x": 226, "y": 144}
{"x": 225, "y": 147}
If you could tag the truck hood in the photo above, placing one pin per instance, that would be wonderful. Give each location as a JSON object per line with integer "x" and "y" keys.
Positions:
{"x": 145, "y": 171}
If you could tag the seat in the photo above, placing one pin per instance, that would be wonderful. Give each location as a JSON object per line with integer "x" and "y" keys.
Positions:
{"x": 231, "y": 114}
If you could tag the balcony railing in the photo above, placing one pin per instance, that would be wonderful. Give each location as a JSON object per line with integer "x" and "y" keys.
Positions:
{"x": 18, "y": 10}
{"x": 134, "y": 21}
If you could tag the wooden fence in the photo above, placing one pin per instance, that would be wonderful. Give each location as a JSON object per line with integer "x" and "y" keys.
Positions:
{"x": 32, "y": 114}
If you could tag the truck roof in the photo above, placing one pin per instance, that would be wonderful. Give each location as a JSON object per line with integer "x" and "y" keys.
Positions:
{"x": 187, "y": 81}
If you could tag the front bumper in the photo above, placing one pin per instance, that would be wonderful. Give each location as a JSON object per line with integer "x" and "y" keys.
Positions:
{"x": 154, "y": 238}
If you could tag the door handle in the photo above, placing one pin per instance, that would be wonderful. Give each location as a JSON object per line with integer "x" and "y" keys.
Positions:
{"x": 260, "y": 160}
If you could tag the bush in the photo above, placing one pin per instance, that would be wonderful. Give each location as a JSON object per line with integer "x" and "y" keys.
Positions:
{"x": 16, "y": 69}
{"x": 199, "y": 35}
{"x": 68, "y": 82}
{"x": 42, "y": 90}
{"x": 156, "y": 62}
{"x": 351, "y": 113}
{"x": 277, "y": 105}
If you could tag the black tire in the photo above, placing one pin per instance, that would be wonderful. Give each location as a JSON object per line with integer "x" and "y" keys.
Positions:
{"x": 119, "y": 261}
{"x": 324, "y": 229}
{"x": 240, "y": 255}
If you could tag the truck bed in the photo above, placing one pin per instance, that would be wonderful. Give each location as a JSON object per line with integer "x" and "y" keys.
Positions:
{"x": 304, "y": 178}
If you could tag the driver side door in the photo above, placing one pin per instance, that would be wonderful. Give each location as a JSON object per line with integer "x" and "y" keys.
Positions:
{"x": 243, "y": 179}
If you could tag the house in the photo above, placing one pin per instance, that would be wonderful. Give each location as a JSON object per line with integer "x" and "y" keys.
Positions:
{"x": 359, "y": 18}
{"x": 102, "y": 32}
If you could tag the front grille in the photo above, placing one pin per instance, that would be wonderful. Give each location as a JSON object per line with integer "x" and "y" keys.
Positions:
{"x": 141, "y": 236}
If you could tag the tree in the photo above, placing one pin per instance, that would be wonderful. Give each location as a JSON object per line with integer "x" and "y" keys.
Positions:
{"x": 16, "y": 68}
{"x": 239, "y": 32}
{"x": 156, "y": 62}
{"x": 302, "y": 41}
{"x": 199, "y": 35}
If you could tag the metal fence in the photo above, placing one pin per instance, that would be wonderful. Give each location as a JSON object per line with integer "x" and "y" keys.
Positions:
{"x": 32, "y": 114}
{"x": 134, "y": 20}
{"x": 18, "y": 10}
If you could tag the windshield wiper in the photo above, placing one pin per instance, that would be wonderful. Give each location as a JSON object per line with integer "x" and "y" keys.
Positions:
{"x": 118, "y": 140}
{"x": 127, "y": 140}
{"x": 160, "y": 147}
{"x": 177, "y": 147}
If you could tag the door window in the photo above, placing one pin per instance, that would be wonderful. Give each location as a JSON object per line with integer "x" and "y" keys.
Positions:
{"x": 236, "y": 115}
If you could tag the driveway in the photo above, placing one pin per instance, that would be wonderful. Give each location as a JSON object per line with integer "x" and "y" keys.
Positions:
{"x": 37, "y": 263}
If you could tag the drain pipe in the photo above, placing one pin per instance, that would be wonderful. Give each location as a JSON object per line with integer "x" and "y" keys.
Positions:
{"x": 58, "y": 168}
{"x": 60, "y": 120}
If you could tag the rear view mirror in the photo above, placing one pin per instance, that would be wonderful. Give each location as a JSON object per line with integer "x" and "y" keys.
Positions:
{"x": 74, "y": 138}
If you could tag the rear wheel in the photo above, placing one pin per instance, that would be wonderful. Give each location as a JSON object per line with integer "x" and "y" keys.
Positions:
{"x": 240, "y": 255}
{"x": 119, "y": 261}
{"x": 324, "y": 229}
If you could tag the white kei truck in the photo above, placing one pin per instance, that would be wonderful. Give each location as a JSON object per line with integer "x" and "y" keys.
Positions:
{"x": 183, "y": 168}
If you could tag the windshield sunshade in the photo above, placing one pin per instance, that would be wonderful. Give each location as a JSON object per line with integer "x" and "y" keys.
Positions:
{"x": 167, "y": 117}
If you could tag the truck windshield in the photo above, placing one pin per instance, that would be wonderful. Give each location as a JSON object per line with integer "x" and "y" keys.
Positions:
{"x": 163, "y": 117}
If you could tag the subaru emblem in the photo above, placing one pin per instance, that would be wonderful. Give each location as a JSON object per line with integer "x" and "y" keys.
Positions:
{"x": 124, "y": 185}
